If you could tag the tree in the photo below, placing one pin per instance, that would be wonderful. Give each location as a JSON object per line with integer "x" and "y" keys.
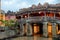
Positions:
{"x": 8, "y": 22}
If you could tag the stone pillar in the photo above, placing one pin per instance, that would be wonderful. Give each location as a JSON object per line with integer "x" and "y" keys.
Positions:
{"x": 54, "y": 30}
{"x": 45, "y": 29}
{"x": 45, "y": 17}
{"x": 21, "y": 29}
{"x": 29, "y": 29}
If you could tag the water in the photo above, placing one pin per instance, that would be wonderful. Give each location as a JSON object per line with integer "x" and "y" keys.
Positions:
{"x": 32, "y": 38}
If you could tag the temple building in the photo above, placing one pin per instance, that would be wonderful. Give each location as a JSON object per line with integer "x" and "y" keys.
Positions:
{"x": 10, "y": 15}
{"x": 40, "y": 20}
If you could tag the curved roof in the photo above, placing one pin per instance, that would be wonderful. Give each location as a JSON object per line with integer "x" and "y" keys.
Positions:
{"x": 45, "y": 7}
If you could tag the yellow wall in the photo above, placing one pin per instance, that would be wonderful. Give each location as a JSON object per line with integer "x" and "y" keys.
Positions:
{"x": 2, "y": 17}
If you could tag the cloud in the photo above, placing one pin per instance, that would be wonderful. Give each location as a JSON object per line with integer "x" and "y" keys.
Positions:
{"x": 23, "y": 5}
{"x": 18, "y": 4}
{"x": 7, "y": 3}
{"x": 14, "y": 5}
{"x": 49, "y": 1}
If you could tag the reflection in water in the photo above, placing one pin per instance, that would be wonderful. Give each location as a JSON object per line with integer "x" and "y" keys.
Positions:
{"x": 33, "y": 38}
{"x": 50, "y": 39}
{"x": 22, "y": 38}
{"x": 30, "y": 38}
{"x": 42, "y": 38}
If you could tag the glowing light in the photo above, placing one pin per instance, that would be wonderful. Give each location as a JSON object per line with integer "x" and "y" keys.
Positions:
{"x": 36, "y": 29}
{"x": 25, "y": 16}
{"x": 39, "y": 12}
{"x": 50, "y": 29}
{"x": 59, "y": 32}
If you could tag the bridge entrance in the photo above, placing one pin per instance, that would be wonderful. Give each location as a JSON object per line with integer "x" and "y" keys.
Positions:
{"x": 49, "y": 29}
{"x": 37, "y": 29}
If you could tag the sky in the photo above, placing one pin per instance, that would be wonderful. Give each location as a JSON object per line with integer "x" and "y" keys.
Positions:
{"x": 15, "y": 5}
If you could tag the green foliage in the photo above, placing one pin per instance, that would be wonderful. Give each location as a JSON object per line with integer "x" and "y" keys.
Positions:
{"x": 8, "y": 22}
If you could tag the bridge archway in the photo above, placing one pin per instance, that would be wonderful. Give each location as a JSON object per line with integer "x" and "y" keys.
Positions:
{"x": 37, "y": 29}
{"x": 49, "y": 29}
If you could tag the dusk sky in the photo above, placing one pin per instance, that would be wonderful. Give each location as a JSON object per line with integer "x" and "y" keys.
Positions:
{"x": 15, "y": 5}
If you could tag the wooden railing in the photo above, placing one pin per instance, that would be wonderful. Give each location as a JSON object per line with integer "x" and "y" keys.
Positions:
{"x": 41, "y": 18}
